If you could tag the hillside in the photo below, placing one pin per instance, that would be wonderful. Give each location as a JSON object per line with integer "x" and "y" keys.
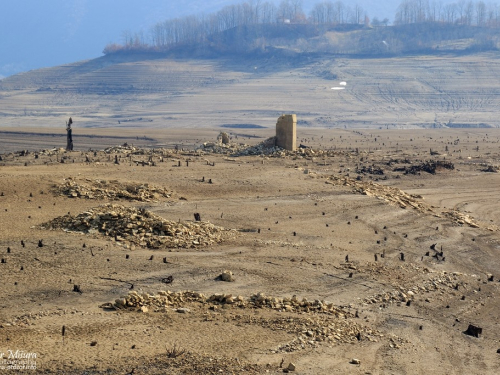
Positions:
{"x": 191, "y": 88}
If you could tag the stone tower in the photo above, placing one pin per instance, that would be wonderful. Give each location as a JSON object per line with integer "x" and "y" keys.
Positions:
{"x": 286, "y": 132}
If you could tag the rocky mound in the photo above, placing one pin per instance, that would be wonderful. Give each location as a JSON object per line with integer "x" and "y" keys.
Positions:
{"x": 389, "y": 194}
{"x": 113, "y": 190}
{"x": 445, "y": 283}
{"x": 319, "y": 321}
{"x": 404, "y": 200}
{"x": 267, "y": 147}
{"x": 259, "y": 300}
{"x": 133, "y": 150}
{"x": 223, "y": 145}
{"x": 140, "y": 227}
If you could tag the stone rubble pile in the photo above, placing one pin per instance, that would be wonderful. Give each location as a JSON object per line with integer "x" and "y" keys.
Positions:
{"x": 114, "y": 190}
{"x": 267, "y": 148}
{"x": 162, "y": 299}
{"x": 140, "y": 227}
{"x": 312, "y": 330}
{"x": 53, "y": 151}
{"x": 22, "y": 153}
{"x": 294, "y": 304}
{"x": 403, "y": 294}
{"x": 389, "y": 194}
{"x": 396, "y": 296}
{"x": 259, "y": 300}
{"x": 331, "y": 325}
{"x": 312, "y": 333}
{"x": 404, "y": 200}
{"x": 125, "y": 148}
{"x": 132, "y": 150}
{"x": 461, "y": 218}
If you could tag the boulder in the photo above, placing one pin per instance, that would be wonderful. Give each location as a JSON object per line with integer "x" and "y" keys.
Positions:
{"x": 227, "y": 276}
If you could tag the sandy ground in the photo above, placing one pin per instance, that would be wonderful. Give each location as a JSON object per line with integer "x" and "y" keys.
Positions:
{"x": 293, "y": 234}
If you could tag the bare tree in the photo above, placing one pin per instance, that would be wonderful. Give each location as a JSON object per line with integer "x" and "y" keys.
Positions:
{"x": 460, "y": 6}
{"x": 298, "y": 13}
{"x": 493, "y": 16}
{"x": 331, "y": 12}
{"x": 268, "y": 12}
{"x": 127, "y": 37}
{"x": 468, "y": 13}
{"x": 480, "y": 13}
{"x": 317, "y": 14}
{"x": 403, "y": 14}
{"x": 449, "y": 13}
{"x": 285, "y": 10}
{"x": 358, "y": 15}
{"x": 435, "y": 8}
{"x": 340, "y": 12}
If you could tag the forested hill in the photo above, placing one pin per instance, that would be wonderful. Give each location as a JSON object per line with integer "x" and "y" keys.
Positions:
{"x": 351, "y": 40}
{"x": 335, "y": 28}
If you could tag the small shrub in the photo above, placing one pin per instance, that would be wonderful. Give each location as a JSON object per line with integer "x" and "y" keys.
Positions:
{"x": 175, "y": 351}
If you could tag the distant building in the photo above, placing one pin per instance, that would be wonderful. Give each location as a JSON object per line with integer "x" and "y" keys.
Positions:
{"x": 283, "y": 20}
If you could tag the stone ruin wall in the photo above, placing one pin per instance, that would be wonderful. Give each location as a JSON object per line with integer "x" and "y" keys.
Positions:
{"x": 286, "y": 132}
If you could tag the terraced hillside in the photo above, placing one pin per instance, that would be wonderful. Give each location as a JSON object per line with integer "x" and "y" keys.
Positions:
{"x": 140, "y": 90}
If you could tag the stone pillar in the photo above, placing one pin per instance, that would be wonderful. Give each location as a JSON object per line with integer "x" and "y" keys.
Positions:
{"x": 286, "y": 132}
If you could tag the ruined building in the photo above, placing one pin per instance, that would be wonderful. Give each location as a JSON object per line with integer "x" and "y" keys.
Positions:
{"x": 286, "y": 132}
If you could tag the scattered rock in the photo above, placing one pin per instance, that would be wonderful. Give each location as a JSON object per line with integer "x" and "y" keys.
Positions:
{"x": 473, "y": 331}
{"x": 429, "y": 166}
{"x": 168, "y": 279}
{"x": 490, "y": 168}
{"x": 291, "y": 367}
{"x": 227, "y": 276}
{"x": 372, "y": 169}
{"x": 355, "y": 361}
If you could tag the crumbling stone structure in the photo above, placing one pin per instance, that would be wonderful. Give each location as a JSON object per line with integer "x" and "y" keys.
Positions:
{"x": 286, "y": 132}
